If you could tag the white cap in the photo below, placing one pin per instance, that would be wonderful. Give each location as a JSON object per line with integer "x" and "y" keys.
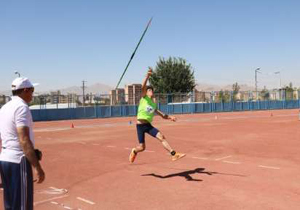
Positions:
{"x": 21, "y": 83}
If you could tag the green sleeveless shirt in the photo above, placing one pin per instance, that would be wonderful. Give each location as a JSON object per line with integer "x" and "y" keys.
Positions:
{"x": 146, "y": 109}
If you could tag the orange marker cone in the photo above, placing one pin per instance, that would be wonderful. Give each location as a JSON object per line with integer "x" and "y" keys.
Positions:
{"x": 271, "y": 114}
{"x": 72, "y": 125}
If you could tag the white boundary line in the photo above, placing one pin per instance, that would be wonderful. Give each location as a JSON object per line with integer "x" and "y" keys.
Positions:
{"x": 85, "y": 200}
{"x": 110, "y": 146}
{"x": 269, "y": 167}
{"x": 62, "y": 205}
{"x": 52, "y": 191}
{"x": 58, "y": 189}
{"x": 223, "y": 158}
{"x": 50, "y": 199}
{"x": 231, "y": 162}
{"x": 200, "y": 158}
{"x": 218, "y": 159}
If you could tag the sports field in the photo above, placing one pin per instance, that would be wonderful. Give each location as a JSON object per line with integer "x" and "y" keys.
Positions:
{"x": 240, "y": 160}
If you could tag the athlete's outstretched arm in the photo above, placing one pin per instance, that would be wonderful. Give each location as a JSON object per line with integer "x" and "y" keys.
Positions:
{"x": 144, "y": 85}
{"x": 165, "y": 116}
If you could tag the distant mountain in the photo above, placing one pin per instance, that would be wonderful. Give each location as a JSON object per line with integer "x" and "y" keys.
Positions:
{"x": 211, "y": 87}
{"x": 5, "y": 92}
{"x": 97, "y": 88}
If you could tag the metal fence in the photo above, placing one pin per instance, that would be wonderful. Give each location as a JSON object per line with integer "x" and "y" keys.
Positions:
{"x": 74, "y": 100}
{"x": 71, "y": 106}
{"x": 178, "y": 108}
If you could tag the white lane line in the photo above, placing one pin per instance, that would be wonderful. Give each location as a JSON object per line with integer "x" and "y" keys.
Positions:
{"x": 200, "y": 158}
{"x": 222, "y": 158}
{"x": 269, "y": 167}
{"x": 95, "y": 144}
{"x": 52, "y": 191}
{"x": 111, "y": 146}
{"x": 149, "y": 151}
{"x": 61, "y": 204}
{"x": 128, "y": 148}
{"x": 85, "y": 200}
{"x": 58, "y": 189}
{"x": 231, "y": 162}
{"x": 50, "y": 199}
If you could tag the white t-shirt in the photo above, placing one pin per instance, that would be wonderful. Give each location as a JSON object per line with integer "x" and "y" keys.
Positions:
{"x": 14, "y": 114}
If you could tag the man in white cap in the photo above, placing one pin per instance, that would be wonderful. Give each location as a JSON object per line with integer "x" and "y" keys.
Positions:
{"x": 18, "y": 154}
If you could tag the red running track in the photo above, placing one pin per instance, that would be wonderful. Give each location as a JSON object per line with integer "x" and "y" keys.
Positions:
{"x": 240, "y": 160}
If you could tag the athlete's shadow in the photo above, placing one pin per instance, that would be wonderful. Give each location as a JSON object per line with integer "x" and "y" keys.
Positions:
{"x": 185, "y": 174}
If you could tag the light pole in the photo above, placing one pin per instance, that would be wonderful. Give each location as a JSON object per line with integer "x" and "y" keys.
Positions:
{"x": 19, "y": 75}
{"x": 257, "y": 70}
{"x": 278, "y": 72}
{"x": 83, "y": 91}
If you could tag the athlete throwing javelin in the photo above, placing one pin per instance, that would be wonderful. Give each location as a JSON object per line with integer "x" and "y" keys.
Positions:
{"x": 146, "y": 110}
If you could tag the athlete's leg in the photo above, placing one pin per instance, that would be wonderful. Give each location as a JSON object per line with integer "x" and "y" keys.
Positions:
{"x": 141, "y": 129}
{"x": 162, "y": 139}
{"x": 164, "y": 142}
{"x": 142, "y": 146}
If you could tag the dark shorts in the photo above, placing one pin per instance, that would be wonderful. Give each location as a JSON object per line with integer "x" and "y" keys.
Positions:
{"x": 145, "y": 128}
{"x": 17, "y": 181}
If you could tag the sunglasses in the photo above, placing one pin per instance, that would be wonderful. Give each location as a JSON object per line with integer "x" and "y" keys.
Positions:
{"x": 30, "y": 89}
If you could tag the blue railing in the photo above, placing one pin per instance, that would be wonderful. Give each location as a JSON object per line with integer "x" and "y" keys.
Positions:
{"x": 184, "y": 108}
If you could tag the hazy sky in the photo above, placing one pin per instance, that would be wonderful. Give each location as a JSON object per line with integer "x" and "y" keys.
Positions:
{"x": 59, "y": 43}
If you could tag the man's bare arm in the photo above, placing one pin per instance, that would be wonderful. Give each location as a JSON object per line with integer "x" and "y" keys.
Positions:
{"x": 24, "y": 138}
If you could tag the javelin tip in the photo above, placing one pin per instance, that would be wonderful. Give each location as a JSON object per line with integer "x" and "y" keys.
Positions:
{"x": 150, "y": 21}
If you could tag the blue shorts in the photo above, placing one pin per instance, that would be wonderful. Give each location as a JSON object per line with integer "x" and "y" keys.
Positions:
{"x": 145, "y": 128}
{"x": 17, "y": 183}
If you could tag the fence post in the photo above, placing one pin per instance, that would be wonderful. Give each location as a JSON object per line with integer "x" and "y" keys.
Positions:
{"x": 95, "y": 107}
{"x": 298, "y": 99}
{"x": 168, "y": 112}
{"x": 181, "y": 108}
{"x": 222, "y": 105}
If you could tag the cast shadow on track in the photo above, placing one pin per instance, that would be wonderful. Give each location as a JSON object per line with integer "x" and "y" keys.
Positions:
{"x": 187, "y": 174}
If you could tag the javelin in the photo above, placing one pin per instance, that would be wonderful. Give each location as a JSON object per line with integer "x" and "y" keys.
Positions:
{"x": 134, "y": 51}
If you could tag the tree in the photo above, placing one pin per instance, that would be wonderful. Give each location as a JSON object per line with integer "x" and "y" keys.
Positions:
{"x": 289, "y": 92}
{"x": 223, "y": 96}
{"x": 265, "y": 94}
{"x": 173, "y": 75}
{"x": 235, "y": 90}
